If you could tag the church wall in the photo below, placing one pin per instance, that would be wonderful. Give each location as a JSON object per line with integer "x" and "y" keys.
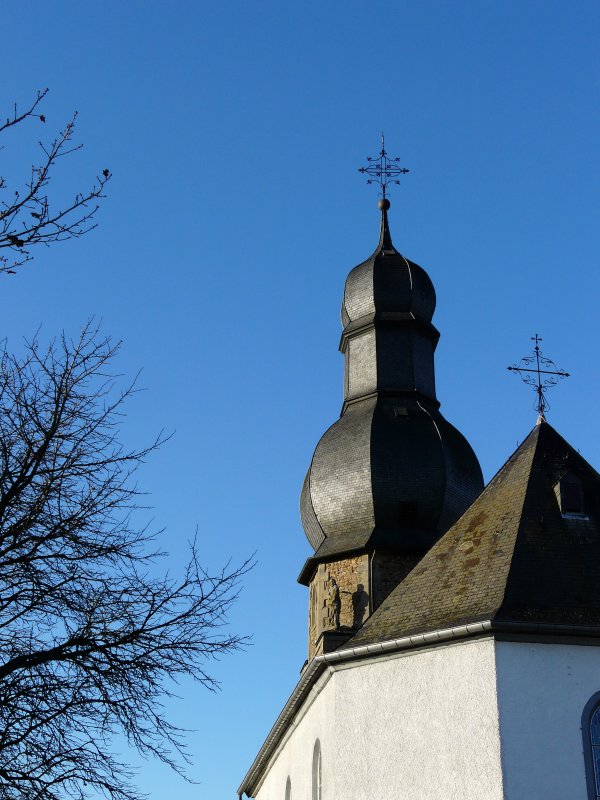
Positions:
{"x": 418, "y": 726}
{"x": 422, "y": 726}
{"x": 542, "y": 690}
{"x": 293, "y": 759}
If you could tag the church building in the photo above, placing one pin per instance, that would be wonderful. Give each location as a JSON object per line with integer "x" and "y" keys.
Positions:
{"x": 453, "y": 629}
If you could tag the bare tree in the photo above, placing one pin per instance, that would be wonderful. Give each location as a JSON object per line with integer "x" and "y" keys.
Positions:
{"x": 91, "y": 635}
{"x": 27, "y": 215}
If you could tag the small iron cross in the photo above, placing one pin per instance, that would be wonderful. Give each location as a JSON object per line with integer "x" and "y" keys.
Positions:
{"x": 531, "y": 369}
{"x": 383, "y": 170}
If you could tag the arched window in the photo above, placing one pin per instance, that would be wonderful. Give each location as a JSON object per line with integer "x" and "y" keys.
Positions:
{"x": 316, "y": 771}
{"x": 590, "y": 728}
{"x": 288, "y": 789}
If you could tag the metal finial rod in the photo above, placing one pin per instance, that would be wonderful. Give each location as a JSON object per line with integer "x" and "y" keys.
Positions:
{"x": 383, "y": 170}
{"x": 531, "y": 369}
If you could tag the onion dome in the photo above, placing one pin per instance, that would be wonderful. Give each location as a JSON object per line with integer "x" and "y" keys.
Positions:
{"x": 391, "y": 473}
{"x": 400, "y": 287}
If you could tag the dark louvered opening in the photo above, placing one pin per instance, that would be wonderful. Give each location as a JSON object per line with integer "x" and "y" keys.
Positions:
{"x": 407, "y": 513}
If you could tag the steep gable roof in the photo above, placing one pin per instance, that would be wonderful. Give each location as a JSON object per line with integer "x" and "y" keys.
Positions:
{"x": 513, "y": 558}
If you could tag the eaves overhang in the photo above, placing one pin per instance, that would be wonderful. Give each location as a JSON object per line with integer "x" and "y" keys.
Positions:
{"x": 312, "y": 562}
{"x": 413, "y": 541}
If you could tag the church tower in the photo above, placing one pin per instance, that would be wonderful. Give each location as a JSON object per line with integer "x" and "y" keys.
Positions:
{"x": 391, "y": 475}
{"x": 454, "y": 632}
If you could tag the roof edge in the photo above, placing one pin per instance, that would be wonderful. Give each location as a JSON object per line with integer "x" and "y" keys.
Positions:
{"x": 412, "y": 642}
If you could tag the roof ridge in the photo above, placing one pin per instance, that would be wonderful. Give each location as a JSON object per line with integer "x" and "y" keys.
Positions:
{"x": 535, "y": 430}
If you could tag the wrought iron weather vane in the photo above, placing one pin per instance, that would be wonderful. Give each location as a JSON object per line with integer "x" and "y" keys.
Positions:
{"x": 383, "y": 170}
{"x": 541, "y": 373}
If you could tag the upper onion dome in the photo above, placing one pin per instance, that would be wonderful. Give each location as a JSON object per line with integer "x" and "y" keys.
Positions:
{"x": 387, "y": 282}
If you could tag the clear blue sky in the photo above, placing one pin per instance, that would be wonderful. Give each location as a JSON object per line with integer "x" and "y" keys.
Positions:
{"x": 234, "y": 131}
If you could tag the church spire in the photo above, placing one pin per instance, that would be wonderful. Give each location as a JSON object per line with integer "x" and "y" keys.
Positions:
{"x": 391, "y": 475}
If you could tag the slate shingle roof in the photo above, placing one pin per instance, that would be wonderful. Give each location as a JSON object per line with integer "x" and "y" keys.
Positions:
{"x": 512, "y": 558}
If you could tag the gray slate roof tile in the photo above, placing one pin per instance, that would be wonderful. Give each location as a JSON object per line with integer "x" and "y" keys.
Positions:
{"x": 511, "y": 558}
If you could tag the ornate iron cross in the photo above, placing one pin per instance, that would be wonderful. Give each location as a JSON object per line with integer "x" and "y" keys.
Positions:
{"x": 532, "y": 368}
{"x": 383, "y": 170}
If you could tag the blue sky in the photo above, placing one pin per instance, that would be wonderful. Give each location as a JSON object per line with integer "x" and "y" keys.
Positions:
{"x": 234, "y": 132}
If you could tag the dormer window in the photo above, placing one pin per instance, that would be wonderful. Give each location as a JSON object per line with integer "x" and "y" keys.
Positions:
{"x": 569, "y": 493}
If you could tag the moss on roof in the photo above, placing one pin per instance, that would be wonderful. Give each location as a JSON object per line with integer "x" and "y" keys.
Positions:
{"x": 512, "y": 557}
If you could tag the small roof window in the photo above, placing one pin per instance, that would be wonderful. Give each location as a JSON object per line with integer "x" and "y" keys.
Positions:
{"x": 569, "y": 493}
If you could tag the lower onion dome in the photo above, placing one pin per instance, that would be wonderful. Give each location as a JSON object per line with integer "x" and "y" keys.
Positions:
{"x": 390, "y": 473}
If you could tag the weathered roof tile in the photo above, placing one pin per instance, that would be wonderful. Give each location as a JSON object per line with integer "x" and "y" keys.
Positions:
{"x": 512, "y": 557}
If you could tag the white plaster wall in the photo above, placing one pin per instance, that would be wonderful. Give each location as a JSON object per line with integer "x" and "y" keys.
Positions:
{"x": 294, "y": 758}
{"x": 419, "y": 726}
{"x": 425, "y": 727}
{"x": 542, "y": 690}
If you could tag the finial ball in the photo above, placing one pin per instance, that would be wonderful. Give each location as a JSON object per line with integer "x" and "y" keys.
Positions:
{"x": 384, "y": 204}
